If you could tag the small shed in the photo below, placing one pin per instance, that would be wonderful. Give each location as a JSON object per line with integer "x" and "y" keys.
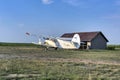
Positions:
{"x": 90, "y": 40}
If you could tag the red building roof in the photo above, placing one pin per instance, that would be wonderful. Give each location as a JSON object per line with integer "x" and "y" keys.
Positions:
{"x": 84, "y": 36}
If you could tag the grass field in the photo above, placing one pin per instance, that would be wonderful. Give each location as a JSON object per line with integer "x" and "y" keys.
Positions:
{"x": 34, "y": 63}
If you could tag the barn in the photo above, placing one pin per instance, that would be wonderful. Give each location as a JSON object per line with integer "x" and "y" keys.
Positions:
{"x": 90, "y": 40}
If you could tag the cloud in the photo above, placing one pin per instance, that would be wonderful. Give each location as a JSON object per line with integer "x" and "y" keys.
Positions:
{"x": 70, "y": 2}
{"x": 47, "y": 1}
{"x": 73, "y": 2}
{"x": 80, "y": 3}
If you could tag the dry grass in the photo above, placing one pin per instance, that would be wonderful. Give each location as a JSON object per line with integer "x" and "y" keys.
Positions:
{"x": 33, "y": 63}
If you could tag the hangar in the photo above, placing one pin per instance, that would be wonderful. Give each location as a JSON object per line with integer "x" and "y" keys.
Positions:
{"x": 90, "y": 40}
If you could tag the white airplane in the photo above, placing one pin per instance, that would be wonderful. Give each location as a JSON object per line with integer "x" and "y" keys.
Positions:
{"x": 63, "y": 43}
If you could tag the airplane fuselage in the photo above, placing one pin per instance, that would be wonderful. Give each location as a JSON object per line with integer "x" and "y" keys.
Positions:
{"x": 60, "y": 44}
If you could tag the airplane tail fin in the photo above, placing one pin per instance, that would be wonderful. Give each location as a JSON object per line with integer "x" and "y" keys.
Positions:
{"x": 76, "y": 40}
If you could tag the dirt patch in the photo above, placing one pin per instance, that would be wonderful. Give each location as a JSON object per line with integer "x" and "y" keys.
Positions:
{"x": 75, "y": 60}
{"x": 6, "y": 56}
{"x": 78, "y": 61}
{"x": 21, "y": 75}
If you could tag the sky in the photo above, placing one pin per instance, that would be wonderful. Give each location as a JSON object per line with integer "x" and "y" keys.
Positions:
{"x": 56, "y": 17}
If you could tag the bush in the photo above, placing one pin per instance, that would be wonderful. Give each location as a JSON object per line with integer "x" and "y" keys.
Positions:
{"x": 111, "y": 47}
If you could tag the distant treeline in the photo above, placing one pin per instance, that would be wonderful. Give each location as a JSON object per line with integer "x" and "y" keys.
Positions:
{"x": 16, "y": 44}
{"x": 113, "y": 47}
{"x": 116, "y": 46}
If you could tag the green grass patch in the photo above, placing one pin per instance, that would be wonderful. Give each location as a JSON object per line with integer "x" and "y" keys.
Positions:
{"x": 16, "y": 44}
